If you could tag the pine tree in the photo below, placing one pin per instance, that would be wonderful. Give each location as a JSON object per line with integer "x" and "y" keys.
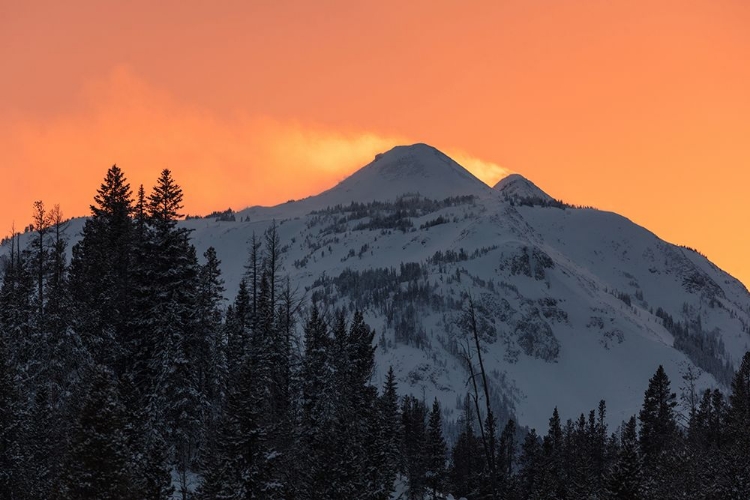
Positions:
{"x": 238, "y": 324}
{"x": 100, "y": 274}
{"x": 272, "y": 258}
{"x": 414, "y": 414}
{"x": 659, "y": 438}
{"x": 97, "y": 461}
{"x": 436, "y": 452}
{"x": 738, "y": 431}
{"x": 388, "y": 459}
{"x": 233, "y": 468}
{"x": 42, "y": 221}
{"x": 211, "y": 366}
{"x": 467, "y": 457}
{"x": 356, "y": 415}
{"x": 41, "y": 471}
{"x": 623, "y": 480}
{"x": 253, "y": 272}
{"x": 13, "y": 461}
{"x": 506, "y": 457}
{"x": 552, "y": 483}
{"x": 178, "y": 342}
{"x": 658, "y": 424}
{"x": 165, "y": 204}
{"x": 578, "y": 456}
{"x": 64, "y": 349}
{"x": 531, "y": 466}
{"x": 17, "y": 314}
{"x": 318, "y": 409}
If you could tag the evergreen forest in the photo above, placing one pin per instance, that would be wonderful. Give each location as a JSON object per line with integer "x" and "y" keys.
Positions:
{"x": 125, "y": 374}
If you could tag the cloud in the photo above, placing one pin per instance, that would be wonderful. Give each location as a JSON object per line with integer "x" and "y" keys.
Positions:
{"x": 486, "y": 171}
{"x": 220, "y": 162}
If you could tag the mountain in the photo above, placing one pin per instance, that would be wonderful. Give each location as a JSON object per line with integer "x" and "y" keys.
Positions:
{"x": 573, "y": 302}
{"x": 416, "y": 169}
{"x": 517, "y": 187}
{"x": 573, "y": 305}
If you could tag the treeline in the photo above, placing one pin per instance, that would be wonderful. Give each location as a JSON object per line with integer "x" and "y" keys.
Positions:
{"x": 124, "y": 376}
{"x": 655, "y": 455}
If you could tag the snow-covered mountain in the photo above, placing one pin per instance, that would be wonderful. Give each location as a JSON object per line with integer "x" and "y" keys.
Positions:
{"x": 517, "y": 187}
{"x": 574, "y": 305}
{"x": 404, "y": 170}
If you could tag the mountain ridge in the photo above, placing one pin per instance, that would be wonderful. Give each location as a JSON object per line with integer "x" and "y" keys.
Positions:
{"x": 575, "y": 305}
{"x": 573, "y": 294}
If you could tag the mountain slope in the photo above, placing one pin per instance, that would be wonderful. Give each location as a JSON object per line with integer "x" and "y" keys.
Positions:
{"x": 517, "y": 187}
{"x": 416, "y": 169}
{"x": 573, "y": 302}
{"x": 574, "y": 305}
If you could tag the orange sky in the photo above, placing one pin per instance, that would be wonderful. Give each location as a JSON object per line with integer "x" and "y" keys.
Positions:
{"x": 640, "y": 107}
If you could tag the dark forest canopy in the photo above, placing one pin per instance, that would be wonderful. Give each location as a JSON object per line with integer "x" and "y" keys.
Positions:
{"x": 123, "y": 375}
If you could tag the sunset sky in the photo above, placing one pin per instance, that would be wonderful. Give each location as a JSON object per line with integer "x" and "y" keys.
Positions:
{"x": 639, "y": 107}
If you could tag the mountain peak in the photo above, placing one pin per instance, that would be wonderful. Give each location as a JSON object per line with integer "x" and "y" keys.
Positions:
{"x": 518, "y": 186}
{"x": 413, "y": 169}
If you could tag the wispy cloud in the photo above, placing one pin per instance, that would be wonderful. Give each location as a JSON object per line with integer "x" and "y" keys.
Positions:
{"x": 220, "y": 162}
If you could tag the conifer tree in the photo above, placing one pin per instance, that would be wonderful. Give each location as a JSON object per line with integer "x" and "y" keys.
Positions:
{"x": 253, "y": 271}
{"x": 318, "y": 408}
{"x": 658, "y": 438}
{"x": 414, "y": 446}
{"x": 100, "y": 272}
{"x": 506, "y": 457}
{"x": 178, "y": 342}
{"x": 436, "y": 452}
{"x": 552, "y": 483}
{"x": 467, "y": 457}
{"x": 658, "y": 425}
{"x": 13, "y": 463}
{"x": 41, "y": 223}
{"x": 17, "y": 314}
{"x": 211, "y": 365}
{"x": 41, "y": 470}
{"x": 531, "y": 466}
{"x": 738, "y": 430}
{"x": 623, "y": 480}
{"x": 238, "y": 325}
{"x": 389, "y": 436}
{"x": 97, "y": 461}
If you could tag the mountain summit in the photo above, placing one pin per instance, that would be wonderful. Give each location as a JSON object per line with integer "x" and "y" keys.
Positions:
{"x": 416, "y": 169}
{"x": 517, "y": 186}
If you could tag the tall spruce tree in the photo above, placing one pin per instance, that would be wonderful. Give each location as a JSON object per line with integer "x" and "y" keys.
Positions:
{"x": 179, "y": 343}
{"x": 467, "y": 457}
{"x": 317, "y": 407}
{"x": 738, "y": 431}
{"x": 96, "y": 466}
{"x": 211, "y": 368}
{"x": 531, "y": 466}
{"x": 506, "y": 459}
{"x": 414, "y": 446}
{"x": 623, "y": 480}
{"x": 435, "y": 453}
{"x": 659, "y": 437}
{"x": 13, "y": 461}
{"x": 388, "y": 458}
{"x": 100, "y": 274}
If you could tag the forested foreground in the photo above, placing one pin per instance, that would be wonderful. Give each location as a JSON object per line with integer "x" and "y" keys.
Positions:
{"x": 124, "y": 375}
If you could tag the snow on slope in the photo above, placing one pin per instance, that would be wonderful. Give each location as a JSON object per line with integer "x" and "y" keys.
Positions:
{"x": 597, "y": 347}
{"x": 549, "y": 284}
{"x": 416, "y": 169}
{"x": 515, "y": 186}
